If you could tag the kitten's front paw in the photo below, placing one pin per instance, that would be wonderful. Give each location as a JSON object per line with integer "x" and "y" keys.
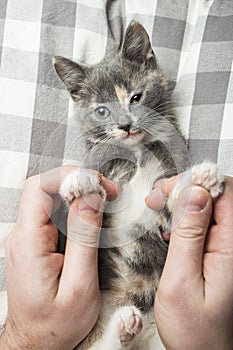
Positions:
{"x": 208, "y": 176}
{"x": 127, "y": 322}
{"x": 79, "y": 183}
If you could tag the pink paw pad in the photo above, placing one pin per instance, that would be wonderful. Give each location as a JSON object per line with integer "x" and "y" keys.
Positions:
{"x": 130, "y": 329}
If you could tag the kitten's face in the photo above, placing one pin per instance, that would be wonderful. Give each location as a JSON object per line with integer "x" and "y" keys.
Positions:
{"x": 123, "y": 98}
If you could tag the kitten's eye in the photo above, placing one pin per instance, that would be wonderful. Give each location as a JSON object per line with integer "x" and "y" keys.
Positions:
{"x": 135, "y": 98}
{"x": 102, "y": 112}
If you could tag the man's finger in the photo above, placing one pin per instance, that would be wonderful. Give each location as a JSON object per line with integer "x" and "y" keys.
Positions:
{"x": 218, "y": 238}
{"x": 189, "y": 227}
{"x": 221, "y": 215}
{"x": 161, "y": 189}
{"x": 84, "y": 223}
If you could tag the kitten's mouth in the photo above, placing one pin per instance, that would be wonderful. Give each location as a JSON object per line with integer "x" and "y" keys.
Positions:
{"x": 135, "y": 135}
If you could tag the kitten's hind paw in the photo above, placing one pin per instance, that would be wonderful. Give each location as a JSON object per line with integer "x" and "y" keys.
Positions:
{"x": 130, "y": 324}
{"x": 81, "y": 182}
{"x": 126, "y": 323}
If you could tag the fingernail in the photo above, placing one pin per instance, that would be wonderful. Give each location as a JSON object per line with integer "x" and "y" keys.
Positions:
{"x": 91, "y": 203}
{"x": 194, "y": 199}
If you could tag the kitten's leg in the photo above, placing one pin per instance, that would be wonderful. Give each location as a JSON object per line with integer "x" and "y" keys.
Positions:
{"x": 122, "y": 329}
{"x": 206, "y": 175}
{"x": 81, "y": 182}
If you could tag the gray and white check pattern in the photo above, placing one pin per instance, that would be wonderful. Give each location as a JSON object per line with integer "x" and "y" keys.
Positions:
{"x": 192, "y": 40}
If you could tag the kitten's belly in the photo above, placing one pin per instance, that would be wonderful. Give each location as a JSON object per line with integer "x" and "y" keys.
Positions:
{"x": 130, "y": 208}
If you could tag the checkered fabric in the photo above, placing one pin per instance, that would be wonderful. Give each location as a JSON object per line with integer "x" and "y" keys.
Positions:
{"x": 192, "y": 40}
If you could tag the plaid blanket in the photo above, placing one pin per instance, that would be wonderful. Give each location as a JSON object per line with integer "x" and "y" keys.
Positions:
{"x": 192, "y": 40}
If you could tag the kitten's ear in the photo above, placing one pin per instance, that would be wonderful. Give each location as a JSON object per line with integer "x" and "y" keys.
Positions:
{"x": 136, "y": 46}
{"x": 71, "y": 73}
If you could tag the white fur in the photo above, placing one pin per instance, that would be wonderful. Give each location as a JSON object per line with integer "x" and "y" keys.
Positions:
{"x": 131, "y": 203}
{"x": 130, "y": 208}
{"x": 142, "y": 334}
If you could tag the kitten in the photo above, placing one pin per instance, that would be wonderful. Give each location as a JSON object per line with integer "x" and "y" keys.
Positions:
{"x": 132, "y": 136}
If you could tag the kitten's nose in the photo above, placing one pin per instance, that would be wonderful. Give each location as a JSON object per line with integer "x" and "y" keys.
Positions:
{"x": 125, "y": 127}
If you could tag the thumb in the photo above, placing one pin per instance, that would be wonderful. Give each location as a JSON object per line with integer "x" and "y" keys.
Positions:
{"x": 191, "y": 217}
{"x": 85, "y": 219}
{"x": 83, "y": 228}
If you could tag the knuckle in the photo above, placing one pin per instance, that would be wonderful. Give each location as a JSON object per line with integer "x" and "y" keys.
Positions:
{"x": 80, "y": 290}
{"x": 84, "y": 290}
{"x": 189, "y": 232}
{"x": 172, "y": 294}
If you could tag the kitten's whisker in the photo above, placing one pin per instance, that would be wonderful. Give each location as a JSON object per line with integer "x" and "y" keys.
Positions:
{"x": 163, "y": 104}
{"x": 105, "y": 144}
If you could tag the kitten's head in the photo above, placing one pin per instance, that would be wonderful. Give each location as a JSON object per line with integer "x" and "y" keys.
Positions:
{"x": 124, "y": 98}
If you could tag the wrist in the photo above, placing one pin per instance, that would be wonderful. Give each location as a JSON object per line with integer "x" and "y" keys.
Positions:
{"x": 4, "y": 340}
{"x": 8, "y": 340}
{"x": 12, "y": 338}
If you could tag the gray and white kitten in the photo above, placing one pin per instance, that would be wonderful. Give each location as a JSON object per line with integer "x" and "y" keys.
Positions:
{"x": 125, "y": 113}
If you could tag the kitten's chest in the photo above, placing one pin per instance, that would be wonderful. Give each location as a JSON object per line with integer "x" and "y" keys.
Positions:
{"x": 130, "y": 205}
{"x": 130, "y": 209}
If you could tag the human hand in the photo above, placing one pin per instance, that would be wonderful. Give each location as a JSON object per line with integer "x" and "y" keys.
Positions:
{"x": 193, "y": 304}
{"x": 53, "y": 299}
